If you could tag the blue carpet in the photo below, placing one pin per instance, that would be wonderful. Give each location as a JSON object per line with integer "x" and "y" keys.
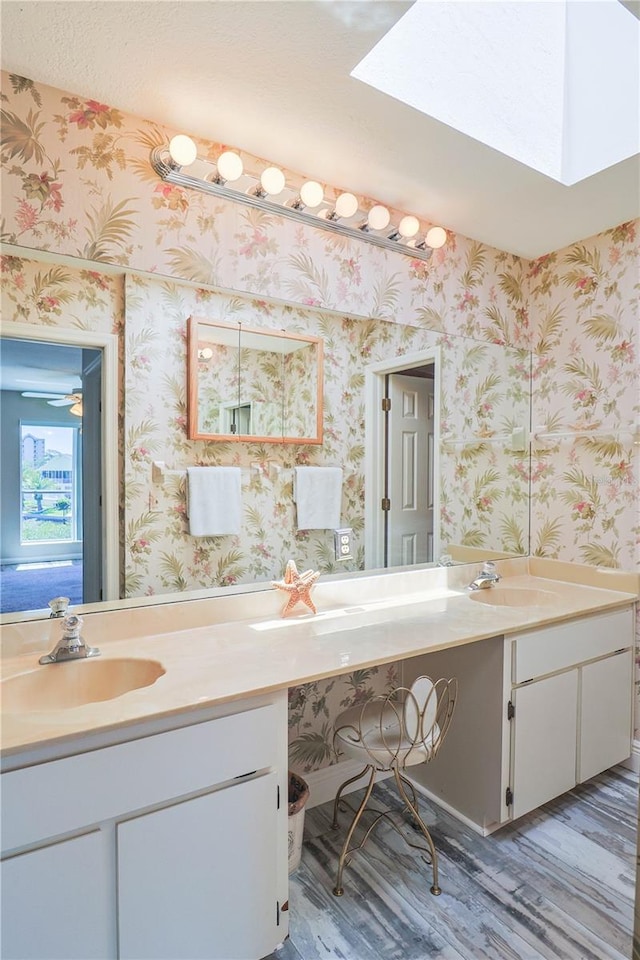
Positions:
{"x": 31, "y": 589}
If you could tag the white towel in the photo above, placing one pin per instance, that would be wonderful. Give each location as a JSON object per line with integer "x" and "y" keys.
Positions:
{"x": 214, "y": 503}
{"x": 317, "y": 492}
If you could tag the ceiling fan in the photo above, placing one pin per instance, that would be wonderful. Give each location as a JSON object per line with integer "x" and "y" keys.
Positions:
{"x": 72, "y": 400}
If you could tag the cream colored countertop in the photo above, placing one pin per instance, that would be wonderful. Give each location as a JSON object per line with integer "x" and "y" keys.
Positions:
{"x": 217, "y": 662}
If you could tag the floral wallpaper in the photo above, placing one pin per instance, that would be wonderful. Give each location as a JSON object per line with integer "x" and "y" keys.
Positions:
{"x": 586, "y": 380}
{"x": 76, "y": 181}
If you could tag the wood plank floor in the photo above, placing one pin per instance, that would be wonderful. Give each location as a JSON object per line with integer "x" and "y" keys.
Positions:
{"x": 558, "y": 884}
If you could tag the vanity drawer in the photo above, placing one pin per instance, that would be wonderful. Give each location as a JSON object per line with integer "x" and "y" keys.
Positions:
{"x": 50, "y": 799}
{"x": 539, "y": 652}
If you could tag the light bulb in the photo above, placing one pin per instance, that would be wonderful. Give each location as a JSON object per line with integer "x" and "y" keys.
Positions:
{"x": 408, "y": 227}
{"x": 229, "y": 166}
{"x": 311, "y": 193}
{"x": 436, "y": 237}
{"x": 346, "y": 205}
{"x": 272, "y": 180}
{"x": 182, "y": 150}
{"x": 378, "y": 218}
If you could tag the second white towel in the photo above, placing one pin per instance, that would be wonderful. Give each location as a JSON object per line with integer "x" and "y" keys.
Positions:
{"x": 317, "y": 492}
{"x": 214, "y": 501}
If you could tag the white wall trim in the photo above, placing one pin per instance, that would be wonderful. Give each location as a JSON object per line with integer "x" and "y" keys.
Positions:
{"x": 373, "y": 454}
{"x": 108, "y": 344}
{"x": 633, "y": 763}
{"x": 439, "y": 801}
{"x": 324, "y": 783}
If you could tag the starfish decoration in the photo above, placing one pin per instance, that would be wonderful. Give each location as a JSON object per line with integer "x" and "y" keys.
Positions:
{"x": 297, "y": 585}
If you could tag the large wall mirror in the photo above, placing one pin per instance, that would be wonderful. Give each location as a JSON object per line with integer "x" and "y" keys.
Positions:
{"x": 477, "y": 476}
{"x": 253, "y": 385}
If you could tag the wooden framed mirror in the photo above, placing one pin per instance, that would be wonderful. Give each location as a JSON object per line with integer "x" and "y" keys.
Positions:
{"x": 258, "y": 386}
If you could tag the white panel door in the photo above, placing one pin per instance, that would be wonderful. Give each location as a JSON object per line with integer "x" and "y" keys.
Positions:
{"x": 56, "y": 902}
{"x": 605, "y": 714}
{"x": 198, "y": 879}
{"x": 544, "y": 740}
{"x": 410, "y": 470}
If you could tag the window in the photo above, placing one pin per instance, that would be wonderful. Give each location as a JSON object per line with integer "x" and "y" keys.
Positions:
{"x": 50, "y": 483}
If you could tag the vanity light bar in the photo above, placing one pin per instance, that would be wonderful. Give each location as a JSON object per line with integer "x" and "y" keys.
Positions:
{"x": 248, "y": 189}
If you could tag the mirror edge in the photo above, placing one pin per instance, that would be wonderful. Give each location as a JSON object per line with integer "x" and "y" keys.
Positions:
{"x": 193, "y": 431}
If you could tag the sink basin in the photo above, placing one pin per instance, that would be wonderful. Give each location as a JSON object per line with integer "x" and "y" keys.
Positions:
{"x": 512, "y": 597}
{"x": 59, "y": 686}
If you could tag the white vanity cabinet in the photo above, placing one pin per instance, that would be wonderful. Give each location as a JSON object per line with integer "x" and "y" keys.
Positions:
{"x": 171, "y": 844}
{"x": 55, "y": 901}
{"x": 185, "y": 871}
{"x": 572, "y": 705}
{"x": 537, "y": 713}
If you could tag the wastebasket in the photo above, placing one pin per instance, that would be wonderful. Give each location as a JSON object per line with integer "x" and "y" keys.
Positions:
{"x": 298, "y": 796}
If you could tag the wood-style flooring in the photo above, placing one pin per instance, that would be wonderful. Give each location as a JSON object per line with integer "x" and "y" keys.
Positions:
{"x": 559, "y": 884}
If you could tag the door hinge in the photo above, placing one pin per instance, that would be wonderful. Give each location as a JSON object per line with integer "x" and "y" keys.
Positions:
{"x": 278, "y": 802}
{"x": 386, "y": 504}
{"x": 508, "y": 797}
{"x": 386, "y": 404}
{"x": 277, "y": 913}
{"x": 511, "y": 710}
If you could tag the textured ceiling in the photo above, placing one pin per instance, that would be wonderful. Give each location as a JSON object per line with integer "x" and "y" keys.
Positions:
{"x": 272, "y": 78}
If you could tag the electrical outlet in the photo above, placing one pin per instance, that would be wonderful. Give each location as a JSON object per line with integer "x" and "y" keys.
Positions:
{"x": 343, "y": 543}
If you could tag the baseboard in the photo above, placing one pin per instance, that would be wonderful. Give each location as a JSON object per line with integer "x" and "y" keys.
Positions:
{"x": 633, "y": 763}
{"x": 324, "y": 783}
{"x": 439, "y": 802}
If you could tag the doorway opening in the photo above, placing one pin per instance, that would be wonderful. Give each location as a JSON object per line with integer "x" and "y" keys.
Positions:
{"x": 401, "y": 460}
{"x": 56, "y": 504}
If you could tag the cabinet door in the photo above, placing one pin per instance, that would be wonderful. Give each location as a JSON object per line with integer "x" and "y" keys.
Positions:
{"x": 56, "y": 902}
{"x": 605, "y": 714}
{"x": 198, "y": 879}
{"x": 544, "y": 741}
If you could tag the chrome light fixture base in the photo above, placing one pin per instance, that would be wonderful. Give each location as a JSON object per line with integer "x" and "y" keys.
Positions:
{"x": 249, "y": 193}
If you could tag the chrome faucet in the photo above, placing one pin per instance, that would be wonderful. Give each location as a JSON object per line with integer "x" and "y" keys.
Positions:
{"x": 70, "y": 646}
{"x": 487, "y": 577}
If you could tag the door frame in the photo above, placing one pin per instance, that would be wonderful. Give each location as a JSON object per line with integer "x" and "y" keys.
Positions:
{"x": 374, "y": 391}
{"x": 108, "y": 344}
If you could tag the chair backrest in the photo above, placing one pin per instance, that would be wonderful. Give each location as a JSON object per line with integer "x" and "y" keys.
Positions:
{"x": 427, "y": 711}
{"x": 407, "y": 723}
{"x": 420, "y": 709}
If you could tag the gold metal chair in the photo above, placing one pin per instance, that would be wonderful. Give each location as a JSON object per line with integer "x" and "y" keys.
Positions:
{"x": 390, "y": 733}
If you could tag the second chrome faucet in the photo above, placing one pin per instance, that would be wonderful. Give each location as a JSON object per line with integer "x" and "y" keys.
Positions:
{"x": 487, "y": 577}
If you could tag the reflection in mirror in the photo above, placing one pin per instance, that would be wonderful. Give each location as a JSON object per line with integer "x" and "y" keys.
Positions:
{"x": 483, "y": 480}
{"x": 57, "y": 480}
{"x": 253, "y": 384}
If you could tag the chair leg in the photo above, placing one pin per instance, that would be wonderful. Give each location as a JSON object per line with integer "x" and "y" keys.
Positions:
{"x": 346, "y": 783}
{"x": 435, "y": 889}
{"x": 408, "y": 783}
{"x": 344, "y": 853}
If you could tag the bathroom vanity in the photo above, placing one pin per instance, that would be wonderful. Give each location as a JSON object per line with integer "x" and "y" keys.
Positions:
{"x": 538, "y": 712}
{"x": 153, "y": 823}
{"x": 158, "y": 846}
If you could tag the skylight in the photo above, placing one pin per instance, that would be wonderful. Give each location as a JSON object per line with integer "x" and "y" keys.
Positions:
{"x": 555, "y": 84}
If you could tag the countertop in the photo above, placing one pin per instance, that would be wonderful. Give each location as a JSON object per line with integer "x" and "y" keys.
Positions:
{"x": 219, "y": 662}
